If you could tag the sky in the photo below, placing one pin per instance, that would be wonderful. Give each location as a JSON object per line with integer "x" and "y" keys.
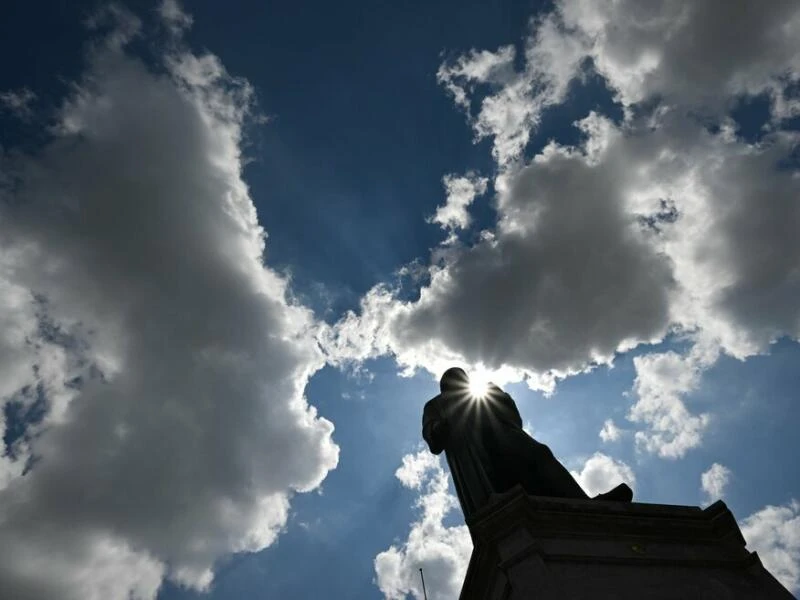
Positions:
{"x": 239, "y": 243}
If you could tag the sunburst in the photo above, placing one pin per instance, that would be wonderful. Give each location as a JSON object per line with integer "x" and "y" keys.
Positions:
{"x": 478, "y": 385}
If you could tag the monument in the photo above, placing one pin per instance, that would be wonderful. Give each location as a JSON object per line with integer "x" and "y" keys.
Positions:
{"x": 487, "y": 450}
{"x": 537, "y": 535}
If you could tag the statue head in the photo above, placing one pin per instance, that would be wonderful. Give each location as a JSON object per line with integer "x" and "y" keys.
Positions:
{"x": 454, "y": 379}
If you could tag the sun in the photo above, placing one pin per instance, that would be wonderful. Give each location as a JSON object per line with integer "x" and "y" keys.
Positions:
{"x": 478, "y": 385}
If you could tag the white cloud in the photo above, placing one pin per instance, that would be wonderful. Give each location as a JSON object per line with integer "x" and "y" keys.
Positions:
{"x": 442, "y": 552}
{"x": 774, "y": 532}
{"x": 417, "y": 468}
{"x": 715, "y": 480}
{"x": 474, "y": 68}
{"x": 602, "y": 473}
{"x": 172, "y": 363}
{"x": 661, "y": 381}
{"x": 513, "y": 105}
{"x": 610, "y": 432}
{"x": 461, "y": 191}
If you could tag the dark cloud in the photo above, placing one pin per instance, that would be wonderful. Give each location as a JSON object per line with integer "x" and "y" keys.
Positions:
{"x": 566, "y": 280}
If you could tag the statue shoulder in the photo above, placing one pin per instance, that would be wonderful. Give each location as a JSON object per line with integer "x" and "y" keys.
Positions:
{"x": 509, "y": 407}
{"x": 496, "y": 392}
{"x": 433, "y": 401}
{"x": 433, "y": 405}
{"x": 443, "y": 404}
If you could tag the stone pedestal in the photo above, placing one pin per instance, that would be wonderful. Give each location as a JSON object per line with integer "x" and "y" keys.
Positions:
{"x": 529, "y": 547}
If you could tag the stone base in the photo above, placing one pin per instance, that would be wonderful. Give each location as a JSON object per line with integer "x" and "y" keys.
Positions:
{"x": 529, "y": 547}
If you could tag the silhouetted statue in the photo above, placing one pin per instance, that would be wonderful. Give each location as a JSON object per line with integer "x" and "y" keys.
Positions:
{"x": 487, "y": 449}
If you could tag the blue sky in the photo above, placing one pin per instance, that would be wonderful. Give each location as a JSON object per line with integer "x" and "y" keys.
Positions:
{"x": 240, "y": 243}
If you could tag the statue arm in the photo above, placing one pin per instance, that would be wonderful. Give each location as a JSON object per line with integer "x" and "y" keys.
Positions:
{"x": 434, "y": 427}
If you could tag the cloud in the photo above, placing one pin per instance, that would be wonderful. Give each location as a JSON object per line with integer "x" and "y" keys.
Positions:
{"x": 474, "y": 68}
{"x": 416, "y": 469}
{"x": 601, "y": 473}
{"x": 774, "y": 532}
{"x": 174, "y": 17}
{"x": 661, "y": 381}
{"x": 664, "y": 226}
{"x": 115, "y": 25}
{"x": 512, "y": 106}
{"x": 715, "y": 480}
{"x": 172, "y": 364}
{"x": 610, "y": 432}
{"x": 461, "y": 191}
{"x": 442, "y": 552}
{"x": 18, "y": 102}
{"x": 652, "y": 49}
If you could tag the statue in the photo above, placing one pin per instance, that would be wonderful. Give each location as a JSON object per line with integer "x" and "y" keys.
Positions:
{"x": 488, "y": 451}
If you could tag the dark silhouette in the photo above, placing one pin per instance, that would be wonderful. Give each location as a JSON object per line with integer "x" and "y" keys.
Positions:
{"x": 488, "y": 451}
